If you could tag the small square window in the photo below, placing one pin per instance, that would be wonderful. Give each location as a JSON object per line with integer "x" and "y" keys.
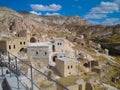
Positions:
{"x": 14, "y": 46}
{"x": 9, "y": 47}
{"x": 45, "y": 53}
{"x": 36, "y": 53}
{"x": 20, "y": 43}
{"x": 24, "y": 43}
{"x": 68, "y": 67}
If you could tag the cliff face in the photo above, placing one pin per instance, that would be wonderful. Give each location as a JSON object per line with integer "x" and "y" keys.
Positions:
{"x": 11, "y": 20}
{"x": 107, "y": 36}
{"x": 98, "y": 31}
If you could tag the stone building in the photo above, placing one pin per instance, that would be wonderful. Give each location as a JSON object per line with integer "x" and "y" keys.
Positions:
{"x": 40, "y": 51}
{"x": 46, "y": 51}
{"x": 15, "y": 43}
{"x": 24, "y": 33}
{"x": 66, "y": 66}
{"x": 57, "y": 44}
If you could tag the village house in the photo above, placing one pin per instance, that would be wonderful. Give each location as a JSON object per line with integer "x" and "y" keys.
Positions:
{"x": 66, "y": 66}
{"x": 15, "y": 43}
{"x": 40, "y": 51}
{"x": 46, "y": 52}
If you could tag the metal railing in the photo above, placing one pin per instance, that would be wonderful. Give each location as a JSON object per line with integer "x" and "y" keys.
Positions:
{"x": 14, "y": 64}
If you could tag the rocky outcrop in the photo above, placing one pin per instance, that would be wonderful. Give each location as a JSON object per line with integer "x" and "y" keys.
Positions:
{"x": 11, "y": 20}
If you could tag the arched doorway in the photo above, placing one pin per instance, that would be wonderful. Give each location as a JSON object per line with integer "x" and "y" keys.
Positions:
{"x": 23, "y": 50}
{"x": 54, "y": 58}
{"x": 22, "y": 53}
{"x": 33, "y": 40}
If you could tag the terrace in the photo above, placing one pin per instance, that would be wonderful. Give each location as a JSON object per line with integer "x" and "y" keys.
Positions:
{"x": 13, "y": 71}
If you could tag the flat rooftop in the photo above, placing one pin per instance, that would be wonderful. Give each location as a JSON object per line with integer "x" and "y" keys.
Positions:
{"x": 39, "y": 44}
{"x": 66, "y": 59}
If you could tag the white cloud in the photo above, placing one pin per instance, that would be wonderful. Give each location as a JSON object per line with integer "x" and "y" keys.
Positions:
{"x": 93, "y": 22}
{"x": 102, "y": 10}
{"x": 36, "y": 13}
{"x": 99, "y": 14}
{"x": 117, "y": 2}
{"x": 40, "y": 7}
{"x": 106, "y": 7}
{"x": 111, "y": 21}
{"x": 95, "y": 16}
{"x": 52, "y": 14}
{"x": 107, "y": 21}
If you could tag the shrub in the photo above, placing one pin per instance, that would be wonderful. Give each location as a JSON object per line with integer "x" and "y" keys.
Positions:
{"x": 7, "y": 72}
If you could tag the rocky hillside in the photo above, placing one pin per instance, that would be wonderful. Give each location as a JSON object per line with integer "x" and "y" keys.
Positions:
{"x": 11, "y": 20}
{"x": 107, "y": 36}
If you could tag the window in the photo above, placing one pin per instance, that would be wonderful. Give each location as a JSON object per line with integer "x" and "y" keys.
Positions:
{"x": 68, "y": 67}
{"x": 9, "y": 47}
{"x": 36, "y": 53}
{"x": 20, "y": 43}
{"x": 24, "y": 43}
{"x": 45, "y": 53}
{"x": 60, "y": 56}
{"x": 58, "y": 43}
{"x": 71, "y": 66}
{"x": 14, "y": 46}
{"x": 18, "y": 35}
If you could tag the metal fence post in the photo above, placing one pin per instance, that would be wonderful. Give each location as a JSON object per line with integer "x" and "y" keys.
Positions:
{"x": 31, "y": 77}
{"x": 17, "y": 72}
{"x": 9, "y": 62}
{"x": 1, "y": 64}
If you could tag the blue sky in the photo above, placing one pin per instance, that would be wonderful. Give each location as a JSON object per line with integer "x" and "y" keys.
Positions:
{"x": 93, "y": 11}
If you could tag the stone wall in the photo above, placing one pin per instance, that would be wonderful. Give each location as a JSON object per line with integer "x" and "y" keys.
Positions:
{"x": 66, "y": 68}
{"x": 13, "y": 46}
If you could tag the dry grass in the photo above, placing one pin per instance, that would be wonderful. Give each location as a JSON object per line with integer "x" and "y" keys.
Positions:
{"x": 88, "y": 75}
{"x": 97, "y": 87}
{"x": 114, "y": 71}
{"x": 90, "y": 50}
{"x": 100, "y": 58}
{"x": 46, "y": 84}
{"x": 117, "y": 59}
{"x": 66, "y": 81}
